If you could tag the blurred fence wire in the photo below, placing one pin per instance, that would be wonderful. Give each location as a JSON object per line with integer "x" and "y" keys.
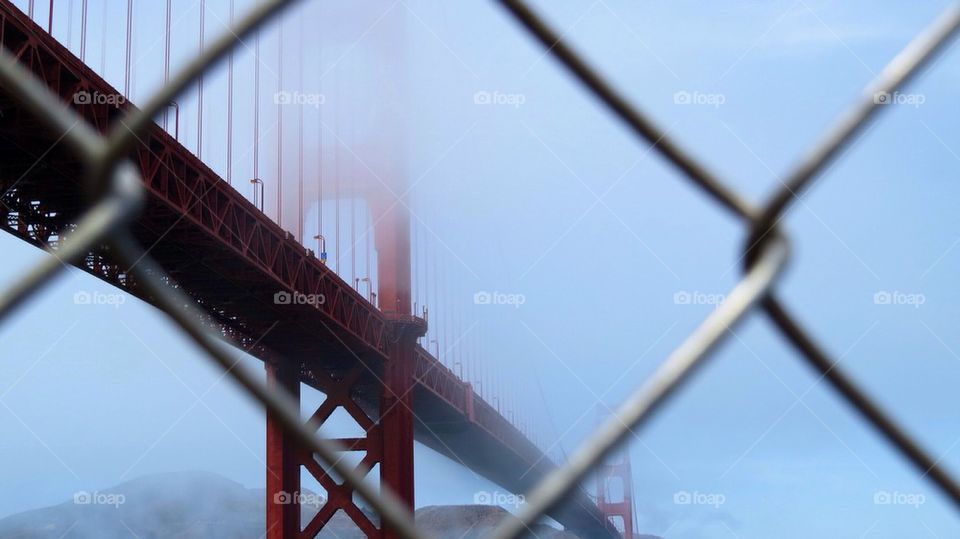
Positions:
{"x": 117, "y": 183}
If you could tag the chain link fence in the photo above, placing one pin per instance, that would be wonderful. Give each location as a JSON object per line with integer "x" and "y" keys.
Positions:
{"x": 119, "y": 198}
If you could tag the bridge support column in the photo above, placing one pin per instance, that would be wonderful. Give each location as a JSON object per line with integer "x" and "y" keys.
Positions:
{"x": 394, "y": 281}
{"x": 283, "y": 462}
{"x": 396, "y": 407}
{"x": 396, "y": 414}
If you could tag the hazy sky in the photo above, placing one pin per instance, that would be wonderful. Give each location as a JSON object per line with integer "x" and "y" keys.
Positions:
{"x": 540, "y": 193}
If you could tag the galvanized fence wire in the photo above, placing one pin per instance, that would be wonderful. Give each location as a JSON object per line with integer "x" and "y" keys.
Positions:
{"x": 119, "y": 195}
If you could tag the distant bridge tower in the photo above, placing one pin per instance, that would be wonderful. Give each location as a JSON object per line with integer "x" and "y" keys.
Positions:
{"x": 615, "y": 487}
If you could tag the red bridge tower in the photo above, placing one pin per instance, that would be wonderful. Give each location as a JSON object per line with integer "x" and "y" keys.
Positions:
{"x": 615, "y": 488}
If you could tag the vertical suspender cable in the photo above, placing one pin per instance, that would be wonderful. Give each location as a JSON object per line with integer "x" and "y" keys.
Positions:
{"x": 320, "y": 140}
{"x": 300, "y": 52}
{"x": 491, "y": 369}
{"x": 280, "y": 124}
{"x": 435, "y": 301}
{"x": 446, "y": 308}
{"x": 414, "y": 269}
{"x": 365, "y": 191}
{"x": 457, "y": 334}
{"x": 430, "y": 279}
{"x": 83, "y": 31}
{"x": 369, "y": 233}
{"x": 481, "y": 381}
{"x": 353, "y": 205}
{"x": 473, "y": 360}
{"x": 336, "y": 176}
{"x": 486, "y": 372}
{"x": 415, "y": 286}
{"x": 166, "y": 46}
{"x": 230, "y": 107}
{"x": 441, "y": 308}
{"x": 450, "y": 320}
{"x": 103, "y": 41}
{"x": 166, "y": 59}
{"x": 69, "y": 40}
{"x": 320, "y": 155}
{"x": 203, "y": 12}
{"x": 126, "y": 80}
{"x": 50, "y": 19}
{"x": 256, "y": 107}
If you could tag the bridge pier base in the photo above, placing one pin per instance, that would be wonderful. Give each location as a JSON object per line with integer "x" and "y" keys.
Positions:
{"x": 396, "y": 416}
{"x": 387, "y": 441}
{"x": 283, "y": 462}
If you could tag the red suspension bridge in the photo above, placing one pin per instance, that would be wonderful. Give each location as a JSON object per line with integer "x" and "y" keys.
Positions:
{"x": 233, "y": 237}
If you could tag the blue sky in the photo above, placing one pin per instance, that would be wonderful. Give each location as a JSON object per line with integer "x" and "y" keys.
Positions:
{"x": 555, "y": 201}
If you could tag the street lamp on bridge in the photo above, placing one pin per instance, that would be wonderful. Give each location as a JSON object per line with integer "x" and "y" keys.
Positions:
{"x": 322, "y": 245}
{"x": 257, "y": 182}
{"x": 459, "y": 366}
{"x": 176, "y": 118}
{"x": 370, "y": 295}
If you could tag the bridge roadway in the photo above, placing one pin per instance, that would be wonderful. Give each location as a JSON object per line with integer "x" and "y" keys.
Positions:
{"x": 232, "y": 259}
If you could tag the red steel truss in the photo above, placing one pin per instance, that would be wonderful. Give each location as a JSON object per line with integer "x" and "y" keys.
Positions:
{"x": 387, "y": 441}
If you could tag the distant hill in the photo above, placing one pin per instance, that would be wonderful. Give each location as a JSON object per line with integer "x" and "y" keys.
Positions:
{"x": 472, "y": 522}
{"x": 201, "y": 505}
{"x": 183, "y": 505}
